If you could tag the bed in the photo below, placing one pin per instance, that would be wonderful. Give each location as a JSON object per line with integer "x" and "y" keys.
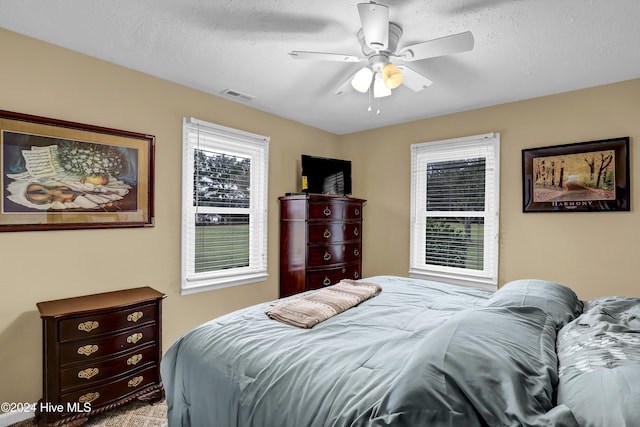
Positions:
{"x": 420, "y": 353}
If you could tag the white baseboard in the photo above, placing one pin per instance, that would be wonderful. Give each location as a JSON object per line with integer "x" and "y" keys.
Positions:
{"x": 9, "y": 418}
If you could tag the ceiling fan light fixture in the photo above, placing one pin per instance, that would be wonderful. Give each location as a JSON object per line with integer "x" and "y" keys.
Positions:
{"x": 380, "y": 89}
{"x": 391, "y": 76}
{"x": 362, "y": 79}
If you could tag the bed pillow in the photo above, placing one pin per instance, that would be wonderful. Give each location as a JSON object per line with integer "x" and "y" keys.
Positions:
{"x": 558, "y": 301}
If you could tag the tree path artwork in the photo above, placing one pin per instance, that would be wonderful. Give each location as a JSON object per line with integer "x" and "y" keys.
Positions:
{"x": 582, "y": 176}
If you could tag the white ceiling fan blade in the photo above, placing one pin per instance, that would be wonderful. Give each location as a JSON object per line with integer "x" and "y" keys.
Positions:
{"x": 344, "y": 86}
{"x": 456, "y": 43}
{"x": 375, "y": 24}
{"x": 413, "y": 80}
{"x": 322, "y": 56}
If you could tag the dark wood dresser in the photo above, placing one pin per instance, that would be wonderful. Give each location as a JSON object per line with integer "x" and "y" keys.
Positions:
{"x": 99, "y": 351}
{"x": 320, "y": 241}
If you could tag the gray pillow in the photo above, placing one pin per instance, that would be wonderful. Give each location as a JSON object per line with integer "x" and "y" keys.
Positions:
{"x": 558, "y": 301}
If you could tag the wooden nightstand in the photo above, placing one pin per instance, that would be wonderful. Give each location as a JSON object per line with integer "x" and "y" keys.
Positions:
{"x": 99, "y": 351}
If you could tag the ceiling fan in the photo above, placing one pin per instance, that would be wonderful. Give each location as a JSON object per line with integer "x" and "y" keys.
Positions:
{"x": 379, "y": 38}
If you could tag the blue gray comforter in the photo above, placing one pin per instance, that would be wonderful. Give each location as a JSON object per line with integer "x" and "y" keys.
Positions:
{"x": 419, "y": 354}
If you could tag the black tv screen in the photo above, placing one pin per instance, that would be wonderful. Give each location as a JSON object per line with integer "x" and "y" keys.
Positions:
{"x": 321, "y": 175}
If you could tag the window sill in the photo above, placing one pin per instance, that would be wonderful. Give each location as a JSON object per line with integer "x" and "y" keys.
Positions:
{"x": 194, "y": 286}
{"x": 470, "y": 282}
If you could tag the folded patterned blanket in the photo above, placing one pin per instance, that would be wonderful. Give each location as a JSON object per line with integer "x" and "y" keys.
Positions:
{"x": 309, "y": 309}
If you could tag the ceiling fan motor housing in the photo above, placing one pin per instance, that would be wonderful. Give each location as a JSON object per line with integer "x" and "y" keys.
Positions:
{"x": 395, "y": 32}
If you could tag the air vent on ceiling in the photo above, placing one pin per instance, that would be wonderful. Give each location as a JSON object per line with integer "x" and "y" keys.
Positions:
{"x": 234, "y": 94}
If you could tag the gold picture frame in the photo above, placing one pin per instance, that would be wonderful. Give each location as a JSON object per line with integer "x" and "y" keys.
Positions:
{"x": 58, "y": 174}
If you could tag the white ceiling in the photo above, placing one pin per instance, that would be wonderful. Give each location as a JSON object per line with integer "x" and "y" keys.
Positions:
{"x": 523, "y": 49}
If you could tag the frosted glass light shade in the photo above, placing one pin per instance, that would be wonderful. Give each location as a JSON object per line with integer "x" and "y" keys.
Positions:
{"x": 362, "y": 79}
{"x": 380, "y": 89}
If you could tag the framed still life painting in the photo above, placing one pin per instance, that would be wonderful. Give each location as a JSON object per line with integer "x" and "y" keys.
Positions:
{"x": 581, "y": 177}
{"x": 63, "y": 175}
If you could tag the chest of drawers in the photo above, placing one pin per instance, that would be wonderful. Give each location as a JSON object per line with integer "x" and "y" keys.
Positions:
{"x": 320, "y": 241}
{"x": 99, "y": 351}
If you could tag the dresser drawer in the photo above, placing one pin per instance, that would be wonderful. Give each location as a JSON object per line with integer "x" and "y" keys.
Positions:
{"x": 87, "y": 326}
{"x": 108, "y": 392}
{"x": 326, "y": 210}
{"x": 95, "y": 348}
{"x": 326, "y": 277}
{"x": 332, "y": 232}
{"x": 94, "y": 372}
{"x": 333, "y": 254}
{"x": 352, "y": 211}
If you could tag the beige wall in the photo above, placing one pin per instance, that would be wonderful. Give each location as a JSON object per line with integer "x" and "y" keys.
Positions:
{"x": 44, "y": 80}
{"x": 591, "y": 252}
{"x": 594, "y": 253}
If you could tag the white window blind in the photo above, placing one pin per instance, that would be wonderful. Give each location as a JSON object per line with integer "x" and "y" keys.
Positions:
{"x": 224, "y": 206}
{"x": 454, "y": 210}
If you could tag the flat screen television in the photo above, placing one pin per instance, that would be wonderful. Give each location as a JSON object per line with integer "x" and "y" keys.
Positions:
{"x": 322, "y": 175}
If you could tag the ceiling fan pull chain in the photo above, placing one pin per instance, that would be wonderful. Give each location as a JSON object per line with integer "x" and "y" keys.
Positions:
{"x": 369, "y": 109}
{"x": 378, "y": 112}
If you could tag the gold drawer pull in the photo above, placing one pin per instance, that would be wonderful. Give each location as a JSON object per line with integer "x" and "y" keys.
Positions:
{"x": 356, "y": 211}
{"x": 88, "y": 326}
{"x": 135, "y": 382}
{"x": 133, "y": 360}
{"x": 356, "y": 252}
{"x": 326, "y": 211}
{"x": 327, "y": 256}
{"x": 134, "y": 338}
{"x": 355, "y": 232}
{"x": 326, "y": 281}
{"x": 89, "y": 397}
{"x": 356, "y": 275}
{"x": 88, "y": 350}
{"x": 88, "y": 373}
{"x": 135, "y": 316}
{"x": 327, "y": 234}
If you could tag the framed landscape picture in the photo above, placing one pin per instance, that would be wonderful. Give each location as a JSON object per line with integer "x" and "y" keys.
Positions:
{"x": 581, "y": 177}
{"x": 63, "y": 175}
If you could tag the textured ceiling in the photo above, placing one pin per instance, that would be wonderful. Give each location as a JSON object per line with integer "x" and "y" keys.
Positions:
{"x": 523, "y": 49}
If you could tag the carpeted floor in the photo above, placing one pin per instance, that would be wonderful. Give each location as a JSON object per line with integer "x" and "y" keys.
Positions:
{"x": 134, "y": 414}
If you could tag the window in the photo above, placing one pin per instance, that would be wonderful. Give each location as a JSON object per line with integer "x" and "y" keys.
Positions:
{"x": 454, "y": 210}
{"x": 224, "y": 207}
{"x": 334, "y": 183}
